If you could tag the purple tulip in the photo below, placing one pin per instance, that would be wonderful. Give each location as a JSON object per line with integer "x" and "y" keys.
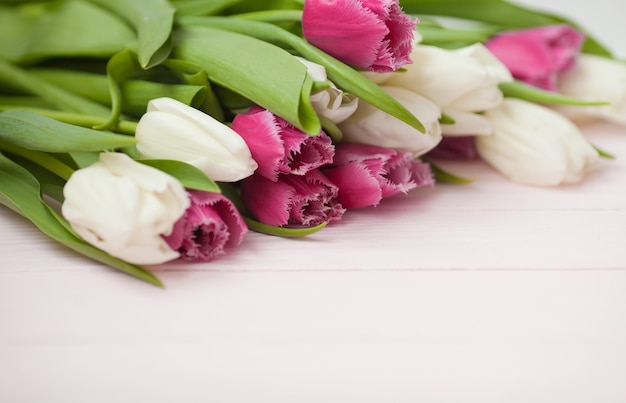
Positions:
{"x": 374, "y": 35}
{"x": 367, "y": 174}
{"x": 210, "y": 225}
{"x": 538, "y": 55}
{"x": 293, "y": 200}
{"x": 278, "y": 147}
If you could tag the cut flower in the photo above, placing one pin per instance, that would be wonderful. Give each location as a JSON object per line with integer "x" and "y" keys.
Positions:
{"x": 173, "y": 130}
{"x": 367, "y": 174}
{"x": 374, "y": 35}
{"x": 293, "y": 200}
{"x": 279, "y": 147}
{"x": 123, "y": 208}
{"x": 538, "y": 55}
{"x": 210, "y": 226}
{"x": 535, "y": 145}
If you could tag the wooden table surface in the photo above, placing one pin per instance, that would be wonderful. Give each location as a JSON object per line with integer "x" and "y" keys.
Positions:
{"x": 488, "y": 292}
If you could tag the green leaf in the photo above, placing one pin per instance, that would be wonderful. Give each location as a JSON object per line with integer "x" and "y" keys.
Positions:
{"x": 259, "y": 71}
{"x": 20, "y": 191}
{"x": 444, "y": 176}
{"x": 342, "y": 75}
{"x": 136, "y": 93}
{"x": 152, "y": 20}
{"x": 61, "y": 29}
{"x": 202, "y": 7}
{"x": 190, "y": 176}
{"x": 286, "y": 232}
{"x": 518, "y": 89}
{"x": 604, "y": 154}
{"x": 19, "y": 79}
{"x": 37, "y": 132}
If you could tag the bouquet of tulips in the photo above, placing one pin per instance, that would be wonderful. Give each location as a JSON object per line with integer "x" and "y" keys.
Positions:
{"x": 137, "y": 133}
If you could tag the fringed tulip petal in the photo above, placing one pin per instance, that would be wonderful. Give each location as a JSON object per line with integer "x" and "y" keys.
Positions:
{"x": 374, "y": 35}
{"x": 279, "y": 147}
{"x": 293, "y": 200}
{"x": 209, "y": 227}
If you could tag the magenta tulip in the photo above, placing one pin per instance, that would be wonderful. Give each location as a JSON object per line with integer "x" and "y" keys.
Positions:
{"x": 293, "y": 200}
{"x": 210, "y": 226}
{"x": 538, "y": 55}
{"x": 374, "y": 35}
{"x": 367, "y": 174}
{"x": 278, "y": 147}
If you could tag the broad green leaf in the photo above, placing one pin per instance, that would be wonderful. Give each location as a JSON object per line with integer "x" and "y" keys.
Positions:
{"x": 195, "y": 75}
{"x": 500, "y": 13}
{"x": 68, "y": 29}
{"x": 13, "y": 77}
{"x": 120, "y": 67}
{"x": 124, "y": 127}
{"x": 517, "y": 89}
{"x": 259, "y": 71}
{"x": 37, "y": 132}
{"x": 152, "y": 20}
{"x": 20, "y": 191}
{"x": 343, "y": 76}
{"x": 190, "y": 176}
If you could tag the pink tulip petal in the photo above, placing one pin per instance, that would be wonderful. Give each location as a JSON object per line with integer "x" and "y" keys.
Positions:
{"x": 375, "y": 35}
{"x": 455, "y": 148}
{"x": 357, "y": 186}
{"x": 261, "y": 132}
{"x": 538, "y": 55}
{"x": 209, "y": 226}
{"x": 268, "y": 201}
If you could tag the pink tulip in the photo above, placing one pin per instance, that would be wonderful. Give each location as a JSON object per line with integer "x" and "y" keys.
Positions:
{"x": 367, "y": 174}
{"x": 538, "y": 55}
{"x": 374, "y": 35}
{"x": 279, "y": 147}
{"x": 455, "y": 148}
{"x": 293, "y": 200}
{"x": 209, "y": 226}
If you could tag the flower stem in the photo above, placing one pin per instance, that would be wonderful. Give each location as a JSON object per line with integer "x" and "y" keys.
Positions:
{"x": 272, "y": 16}
{"x": 123, "y": 127}
{"x": 40, "y": 158}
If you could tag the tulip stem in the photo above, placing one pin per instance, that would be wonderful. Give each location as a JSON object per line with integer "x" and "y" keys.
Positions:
{"x": 40, "y": 158}
{"x": 122, "y": 127}
{"x": 272, "y": 16}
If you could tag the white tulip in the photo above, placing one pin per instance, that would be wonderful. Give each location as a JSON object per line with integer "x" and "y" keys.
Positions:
{"x": 370, "y": 125}
{"x": 534, "y": 145}
{"x": 462, "y": 82}
{"x": 123, "y": 207}
{"x": 331, "y": 103}
{"x": 595, "y": 78}
{"x": 172, "y": 130}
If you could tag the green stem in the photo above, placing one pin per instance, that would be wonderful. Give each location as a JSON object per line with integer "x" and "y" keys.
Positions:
{"x": 40, "y": 158}
{"x": 272, "y": 16}
{"x": 123, "y": 127}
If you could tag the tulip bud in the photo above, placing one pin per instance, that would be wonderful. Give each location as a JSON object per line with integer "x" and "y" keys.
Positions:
{"x": 123, "y": 208}
{"x": 370, "y": 125}
{"x": 461, "y": 82}
{"x": 595, "y": 78}
{"x": 535, "y": 145}
{"x": 538, "y": 55}
{"x": 173, "y": 130}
